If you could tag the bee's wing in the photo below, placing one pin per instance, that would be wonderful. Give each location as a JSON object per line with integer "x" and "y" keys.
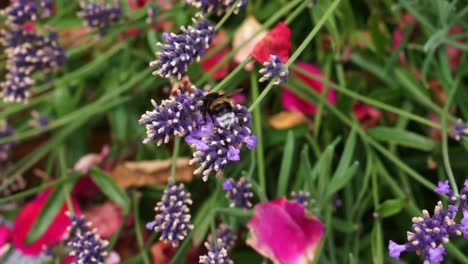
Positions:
{"x": 231, "y": 93}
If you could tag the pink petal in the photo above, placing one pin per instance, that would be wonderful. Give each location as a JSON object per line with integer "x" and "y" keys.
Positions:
{"x": 453, "y": 53}
{"x": 28, "y": 215}
{"x": 367, "y": 115}
{"x": 106, "y": 217}
{"x": 210, "y": 62}
{"x": 285, "y": 232}
{"x": 246, "y": 30}
{"x": 291, "y": 101}
{"x": 5, "y": 234}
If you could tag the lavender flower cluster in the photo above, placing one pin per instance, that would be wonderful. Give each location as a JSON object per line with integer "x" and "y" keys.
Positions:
{"x": 274, "y": 68}
{"x": 181, "y": 50}
{"x": 216, "y": 254}
{"x": 27, "y": 51}
{"x": 459, "y": 130}
{"x": 218, "y": 7}
{"x": 99, "y": 15}
{"x": 239, "y": 193}
{"x": 172, "y": 214}
{"x": 85, "y": 244}
{"x": 5, "y": 148}
{"x": 225, "y": 237}
{"x": 301, "y": 197}
{"x": 183, "y": 115}
{"x": 429, "y": 234}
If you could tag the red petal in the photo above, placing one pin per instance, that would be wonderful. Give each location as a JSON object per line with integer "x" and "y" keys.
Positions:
{"x": 291, "y": 101}
{"x": 28, "y": 215}
{"x": 367, "y": 115}
{"x": 277, "y": 42}
{"x": 209, "y": 63}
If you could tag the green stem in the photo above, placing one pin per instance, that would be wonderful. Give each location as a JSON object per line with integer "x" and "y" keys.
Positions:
{"x": 63, "y": 175}
{"x": 231, "y": 76}
{"x": 227, "y": 15}
{"x": 445, "y": 153}
{"x": 257, "y": 117}
{"x": 139, "y": 235}
{"x": 40, "y": 188}
{"x": 175, "y": 154}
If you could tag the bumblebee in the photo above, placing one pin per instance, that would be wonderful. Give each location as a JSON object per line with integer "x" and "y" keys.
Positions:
{"x": 219, "y": 107}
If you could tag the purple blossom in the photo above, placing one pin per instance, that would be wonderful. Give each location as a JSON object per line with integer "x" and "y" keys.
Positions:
{"x": 240, "y": 192}
{"x": 176, "y": 116}
{"x": 182, "y": 49}
{"x": 151, "y": 14}
{"x": 12, "y": 37}
{"x": 216, "y": 254}
{"x": 225, "y": 237}
{"x": 16, "y": 87}
{"x": 459, "y": 130}
{"x": 223, "y": 144}
{"x": 100, "y": 15}
{"x": 21, "y": 12}
{"x": 38, "y": 120}
{"x": 5, "y": 148}
{"x": 45, "y": 53}
{"x": 218, "y": 7}
{"x": 272, "y": 69}
{"x": 395, "y": 249}
{"x": 429, "y": 234}
{"x": 173, "y": 214}
{"x": 86, "y": 245}
{"x": 443, "y": 188}
{"x": 301, "y": 197}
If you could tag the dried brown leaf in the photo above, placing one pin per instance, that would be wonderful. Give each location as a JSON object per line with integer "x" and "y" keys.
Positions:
{"x": 287, "y": 119}
{"x": 149, "y": 173}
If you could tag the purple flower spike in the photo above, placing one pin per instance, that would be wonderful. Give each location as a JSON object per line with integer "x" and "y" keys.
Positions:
{"x": 218, "y": 7}
{"x": 173, "y": 117}
{"x": 459, "y": 131}
{"x": 226, "y": 238}
{"x": 45, "y": 53}
{"x": 86, "y": 245}
{"x": 224, "y": 144}
{"x": 173, "y": 214}
{"x": 16, "y": 87}
{"x": 443, "y": 188}
{"x": 216, "y": 254}
{"x": 5, "y": 148}
{"x": 301, "y": 197}
{"x": 21, "y": 12}
{"x": 181, "y": 50}
{"x": 99, "y": 15}
{"x": 240, "y": 193}
{"x": 272, "y": 69}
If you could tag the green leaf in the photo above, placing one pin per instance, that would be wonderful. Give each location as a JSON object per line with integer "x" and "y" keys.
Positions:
{"x": 402, "y": 137}
{"x": 152, "y": 40}
{"x": 391, "y": 207}
{"x": 337, "y": 183}
{"x": 286, "y": 164}
{"x": 110, "y": 188}
{"x": 201, "y": 223}
{"x": 347, "y": 155}
{"x": 50, "y": 210}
